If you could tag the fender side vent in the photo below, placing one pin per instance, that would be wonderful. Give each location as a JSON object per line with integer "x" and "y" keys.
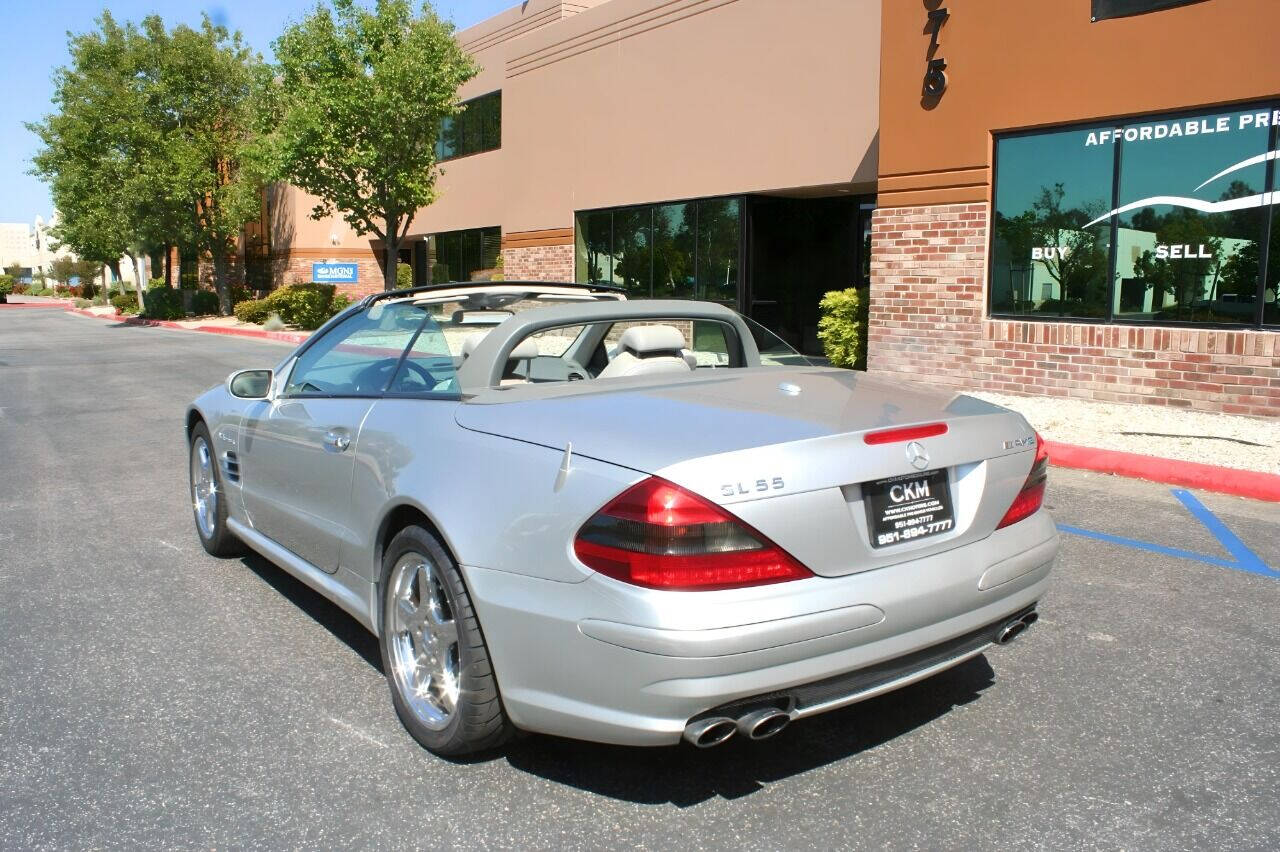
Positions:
{"x": 231, "y": 466}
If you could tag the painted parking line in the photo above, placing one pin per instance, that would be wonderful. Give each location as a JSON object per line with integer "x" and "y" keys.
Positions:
{"x": 1242, "y": 558}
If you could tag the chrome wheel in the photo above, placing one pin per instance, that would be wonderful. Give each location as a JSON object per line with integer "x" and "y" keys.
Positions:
{"x": 204, "y": 488}
{"x": 423, "y": 639}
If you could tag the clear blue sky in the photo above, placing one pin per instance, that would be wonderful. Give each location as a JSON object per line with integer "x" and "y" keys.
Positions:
{"x": 37, "y": 36}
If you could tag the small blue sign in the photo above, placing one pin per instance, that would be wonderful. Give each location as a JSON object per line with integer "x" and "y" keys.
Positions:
{"x": 334, "y": 273}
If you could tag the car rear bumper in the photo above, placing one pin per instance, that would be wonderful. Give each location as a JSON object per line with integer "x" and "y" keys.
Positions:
{"x": 600, "y": 660}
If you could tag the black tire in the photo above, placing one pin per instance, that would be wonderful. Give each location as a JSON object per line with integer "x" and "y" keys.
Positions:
{"x": 478, "y": 721}
{"x": 219, "y": 541}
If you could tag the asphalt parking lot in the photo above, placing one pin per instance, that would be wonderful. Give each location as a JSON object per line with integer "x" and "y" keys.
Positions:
{"x": 153, "y": 695}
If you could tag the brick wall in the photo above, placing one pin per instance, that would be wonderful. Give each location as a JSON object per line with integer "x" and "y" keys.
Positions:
{"x": 927, "y": 319}
{"x": 291, "y": 269}
{"x": 538, "y": 263}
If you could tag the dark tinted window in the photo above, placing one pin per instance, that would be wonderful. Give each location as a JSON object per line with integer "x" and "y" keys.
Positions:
{"x": 593, "y": 243}
{"x": 686, "y": 249}
{"x": 631, "y": 257}
{"x": 470, "y": 255}
{"x": 477, "y": 127}
{"x": 673, "y": 250}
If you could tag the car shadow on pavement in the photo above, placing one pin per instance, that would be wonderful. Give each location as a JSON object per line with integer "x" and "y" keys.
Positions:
{"x": 324, "y": 612}
{"x": 685, "y": 776}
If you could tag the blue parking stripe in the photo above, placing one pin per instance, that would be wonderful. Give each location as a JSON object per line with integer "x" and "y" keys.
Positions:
{"x": 1243, "y": 559}
{"x": 1146, "y": 545}
{"x": 1246, "y": 559}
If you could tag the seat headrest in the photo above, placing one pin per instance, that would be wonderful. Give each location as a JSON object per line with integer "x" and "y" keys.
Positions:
{"x": 471, "y": 341}
{"x": 649, "y": 339}
{"x": 527, "y": 348}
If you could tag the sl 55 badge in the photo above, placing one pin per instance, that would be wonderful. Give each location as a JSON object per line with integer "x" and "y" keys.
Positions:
{"x": 734, "y": 489}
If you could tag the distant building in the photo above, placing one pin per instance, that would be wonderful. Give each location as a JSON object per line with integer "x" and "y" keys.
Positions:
{"x": 17, "y": 246}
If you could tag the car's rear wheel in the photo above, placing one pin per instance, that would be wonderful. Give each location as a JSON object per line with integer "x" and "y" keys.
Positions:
{"x": 433, "y": 653}
{"x": 207, "y": 503}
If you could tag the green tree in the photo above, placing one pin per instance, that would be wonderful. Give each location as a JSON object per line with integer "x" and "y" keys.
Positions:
{"x": 62, "y": 269}
{"x": 207, "y": 180}
{"x": 95, "y": 145}
{"x": 360, "y": 98}
{"x": 153, "y": 143}
{"x": 14, "y": 271}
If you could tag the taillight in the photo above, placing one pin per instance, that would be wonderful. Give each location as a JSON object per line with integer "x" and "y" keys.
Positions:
{"x": 1030, "y": 498}
{"x": 657, "y": 534}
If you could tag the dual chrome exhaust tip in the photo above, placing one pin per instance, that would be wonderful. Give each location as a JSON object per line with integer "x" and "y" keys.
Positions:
{"x": 1014, "y": 627}
{"x": 758, "y": 724}
{"x": 763, "y": 722}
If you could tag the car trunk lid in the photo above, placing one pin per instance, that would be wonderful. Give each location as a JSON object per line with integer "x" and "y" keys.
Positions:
{"x": 787, "y": 450}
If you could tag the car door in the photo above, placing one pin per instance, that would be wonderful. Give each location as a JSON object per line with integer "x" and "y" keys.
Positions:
{"x": 296, "y": 451}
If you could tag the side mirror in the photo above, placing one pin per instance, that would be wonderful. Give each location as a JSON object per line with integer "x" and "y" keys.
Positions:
{"x": 250, "y": 384}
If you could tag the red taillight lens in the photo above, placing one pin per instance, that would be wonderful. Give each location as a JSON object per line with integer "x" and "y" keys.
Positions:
{"x": 1030, "y": 498}
{"x": 658, "y": 535}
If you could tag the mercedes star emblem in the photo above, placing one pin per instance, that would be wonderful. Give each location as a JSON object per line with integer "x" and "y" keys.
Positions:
{"x": 917, "y": 456}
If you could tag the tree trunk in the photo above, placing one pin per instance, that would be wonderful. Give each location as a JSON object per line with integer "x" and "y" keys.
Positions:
{"x": 139, "y": 271}
{"x": 220, "y": 284}
{"x": 392, "y": 263}
{"x": 168, "y": 265}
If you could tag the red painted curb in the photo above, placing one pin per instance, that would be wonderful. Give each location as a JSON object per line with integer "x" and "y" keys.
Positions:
{"x": 285, "y": 336}
{"x": 1224, "y": 480}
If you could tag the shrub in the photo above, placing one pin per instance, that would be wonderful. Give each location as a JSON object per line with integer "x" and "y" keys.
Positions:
{"x": 87, "y": 289}
{"x": 204, "y": 302}
{"x": 20, "y": 288}
{"x": 303, "y": 305}
{"x": 164, "y": 303}
{"x": 404, "y": 275}
{"x": 73, "y": 290}
{"x": 251, "y": 310}
{"x": 843, "y": 327}
{"x": 82, "y": 303}
{"x": 156, "y": 284}
{"x": 341, "y": 301}
{"x": 6, "y": 287}
{"x": 126, "y": 303}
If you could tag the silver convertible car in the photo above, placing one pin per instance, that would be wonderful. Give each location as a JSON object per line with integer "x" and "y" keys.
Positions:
{"x": 624, "y": 521}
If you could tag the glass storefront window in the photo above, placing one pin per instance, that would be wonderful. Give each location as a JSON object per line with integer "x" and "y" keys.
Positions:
{"x": 1044, "y": 260}
{"x": 1183, "y": 263}
{"x": 631, "y": 257}
{"x": 682, "y": 250}
{"x": 673, "y": 251}
{"x": 719, "y": 238}
{"x": 593, "y": 242}
{"x": 1183, "y": 197}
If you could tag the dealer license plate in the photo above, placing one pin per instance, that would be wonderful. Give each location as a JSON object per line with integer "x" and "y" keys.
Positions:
{"x": 907, "y": 508}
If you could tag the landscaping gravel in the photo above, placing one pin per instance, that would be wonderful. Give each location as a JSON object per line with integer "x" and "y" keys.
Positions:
{"x": 1226, "y": 440}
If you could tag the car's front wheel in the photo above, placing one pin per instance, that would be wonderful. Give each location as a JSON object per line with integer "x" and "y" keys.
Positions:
{"x": 207, "y": 501}
{"x": 434, "y": 655}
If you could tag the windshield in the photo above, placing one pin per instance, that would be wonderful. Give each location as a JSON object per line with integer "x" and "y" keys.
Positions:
{"x": 774, "y": 351}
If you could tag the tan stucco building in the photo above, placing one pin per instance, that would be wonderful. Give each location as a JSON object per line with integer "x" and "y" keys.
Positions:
{"x": 1069, "y": 198}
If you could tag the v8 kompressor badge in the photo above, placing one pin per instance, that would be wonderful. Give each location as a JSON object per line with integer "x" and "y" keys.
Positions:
{"x": 1020, "y": 442}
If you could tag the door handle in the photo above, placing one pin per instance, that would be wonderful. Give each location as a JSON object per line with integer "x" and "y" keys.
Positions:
{"x": 337, "y": 440}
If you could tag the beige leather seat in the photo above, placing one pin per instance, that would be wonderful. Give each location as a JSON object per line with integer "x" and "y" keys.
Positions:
{"x": 646, "y": 349}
